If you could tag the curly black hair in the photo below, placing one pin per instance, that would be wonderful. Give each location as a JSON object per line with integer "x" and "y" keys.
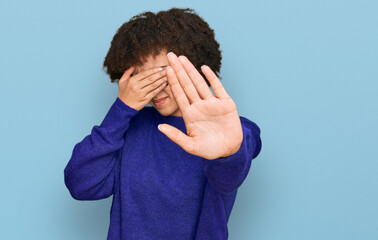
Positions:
{"x": 178, "y": 30}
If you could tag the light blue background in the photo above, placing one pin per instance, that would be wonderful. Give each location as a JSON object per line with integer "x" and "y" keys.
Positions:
{"x": 305, "y": 71}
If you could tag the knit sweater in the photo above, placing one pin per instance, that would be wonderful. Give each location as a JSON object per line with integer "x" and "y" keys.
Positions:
{"x": 159, "y": 190}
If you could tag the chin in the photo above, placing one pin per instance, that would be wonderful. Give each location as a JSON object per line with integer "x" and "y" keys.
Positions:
{"x": 161, "y": 111}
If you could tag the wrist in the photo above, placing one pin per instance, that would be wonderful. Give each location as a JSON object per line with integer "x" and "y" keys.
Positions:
{"x": 128, "y": 104}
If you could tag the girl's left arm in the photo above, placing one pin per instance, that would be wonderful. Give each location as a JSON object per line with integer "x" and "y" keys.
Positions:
{"x": 226, "y": 174}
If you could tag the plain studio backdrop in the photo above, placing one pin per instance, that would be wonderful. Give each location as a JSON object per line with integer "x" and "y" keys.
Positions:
{"x": 305, "y": 71}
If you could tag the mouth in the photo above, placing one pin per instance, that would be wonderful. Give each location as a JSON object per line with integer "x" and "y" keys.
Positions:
{"x": 159, "y": 100}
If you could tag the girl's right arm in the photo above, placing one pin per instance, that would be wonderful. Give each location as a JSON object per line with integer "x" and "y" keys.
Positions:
{"x": 90, "y": 173}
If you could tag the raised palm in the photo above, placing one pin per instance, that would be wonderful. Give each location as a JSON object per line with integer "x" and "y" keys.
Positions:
{"x": 212, "y": 122}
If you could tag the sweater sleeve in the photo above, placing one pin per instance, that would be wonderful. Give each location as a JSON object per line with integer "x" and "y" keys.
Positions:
{"x": 226, "y": 174}
{"x": 90, "y": 173}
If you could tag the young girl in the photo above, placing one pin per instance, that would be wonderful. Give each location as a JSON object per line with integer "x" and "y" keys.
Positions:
{"x": 174, "y": 168}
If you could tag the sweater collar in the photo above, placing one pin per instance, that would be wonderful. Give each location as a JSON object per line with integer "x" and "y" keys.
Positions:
{"x": 173, "y": 120}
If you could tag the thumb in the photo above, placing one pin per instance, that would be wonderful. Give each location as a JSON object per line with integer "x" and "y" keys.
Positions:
{"x": 126, "y": 74}
{"x": 178, "y": 137}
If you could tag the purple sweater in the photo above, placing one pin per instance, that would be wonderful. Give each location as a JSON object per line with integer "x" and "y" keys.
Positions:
{"x": 159, "y": 190}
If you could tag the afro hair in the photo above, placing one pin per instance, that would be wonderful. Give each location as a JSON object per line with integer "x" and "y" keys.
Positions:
{"x": 178, "y": 30}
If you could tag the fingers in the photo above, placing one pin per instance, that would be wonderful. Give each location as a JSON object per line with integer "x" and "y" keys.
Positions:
{"x": 154, "y": 92}
{"x": 126, "y": 75}
{"x": 151, "y": 79}
{"x": 156, "y": 84}
{"x": 142, "y": 75}
{"x": 129, "y": 73}
{"x": 217, "y": 86}
{"x": 178, "y": 93}
{"x": 197, "y": 79}
{"x": 186, "y": 83}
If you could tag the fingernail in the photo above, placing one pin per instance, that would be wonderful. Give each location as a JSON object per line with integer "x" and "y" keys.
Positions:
{"x": 202, "y": 65}
{"x": 169, "y": 53}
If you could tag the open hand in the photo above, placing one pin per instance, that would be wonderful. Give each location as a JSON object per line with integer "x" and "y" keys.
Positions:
{"x": 212, "y": 122}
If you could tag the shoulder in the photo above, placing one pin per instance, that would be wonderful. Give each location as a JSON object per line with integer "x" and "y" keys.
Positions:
{"x": 246, "y": 123}
{"x": 252, "y": 133}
